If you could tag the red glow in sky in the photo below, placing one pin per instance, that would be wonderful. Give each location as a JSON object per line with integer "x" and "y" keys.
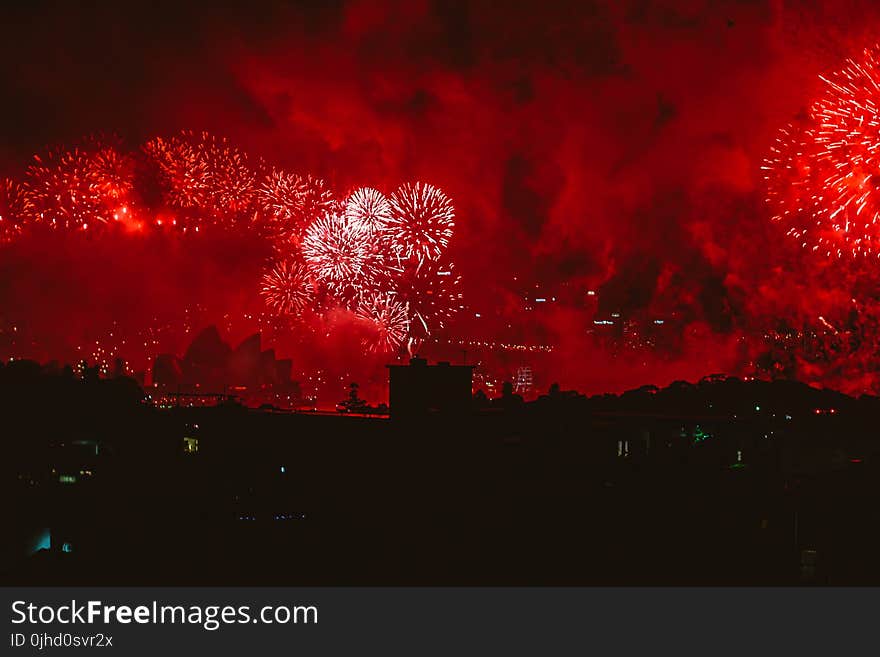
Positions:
{"x": 614, "y": 147}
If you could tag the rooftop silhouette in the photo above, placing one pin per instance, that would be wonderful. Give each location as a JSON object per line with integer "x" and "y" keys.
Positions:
{"x": 720, "y": 481}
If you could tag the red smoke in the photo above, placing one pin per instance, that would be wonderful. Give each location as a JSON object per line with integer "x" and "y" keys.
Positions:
{"x": 607, "y": 146}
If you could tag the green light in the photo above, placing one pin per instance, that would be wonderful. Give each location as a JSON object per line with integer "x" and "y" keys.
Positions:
{"x": 67, "y": 479}
{"x": 700, "y": 435}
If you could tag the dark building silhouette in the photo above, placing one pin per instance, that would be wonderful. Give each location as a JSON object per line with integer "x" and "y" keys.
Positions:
{"x": 167, "y": 370}
{"x": 722, "y": 481}
{"x": 211, "y": 367}
{"x": 422, "y": 389}
{"x": 245, "y": 361}
{"x": 206, "y": 359}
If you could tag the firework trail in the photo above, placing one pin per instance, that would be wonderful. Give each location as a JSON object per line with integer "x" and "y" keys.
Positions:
{"x": 421, "y": 223}
{"x": 388, "y": 317}
{"x": 823, "y": 175}
{"x": 287, "y": 288}
{"x": 433, "y": 296}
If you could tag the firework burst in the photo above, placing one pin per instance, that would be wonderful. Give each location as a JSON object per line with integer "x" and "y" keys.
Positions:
{"x": 204, "y": 175}
{"x": 287, "y": 288}
{"x": 232, "y": 178}
{"x": 823, "y": 175}
{"x": 422, "y": 221}
{"x": 182, "y": 174}
{"x": 289, "y": 202}
{"x": 61, "y": 192}
{"x": 432, "y": 294}
{"x": 376, "y": 257}
{"x": 14, "y": 207}
{"x": 111, "y": 174}
{"x": 369, "y": 208}
{"x": 388, "y": 318}
{"x": 340, "y": 253}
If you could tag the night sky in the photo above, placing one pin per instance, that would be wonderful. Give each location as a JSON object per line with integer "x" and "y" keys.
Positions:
{"x": 609, "y": 146}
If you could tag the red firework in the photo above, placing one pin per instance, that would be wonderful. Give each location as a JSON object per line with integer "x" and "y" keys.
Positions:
{"x": 370, "y": 208}
{"x": 183, "y": 176}
{"x": 287, "y": 288}
{"x": 204, "y": 175}
{"x": 432, "y": 294}
{"x": 14, "y": 207}
{"x": 823, "y": 177}
{"x": 111, "y": 173}
{"x": 422, "y": 221}
{"x": 290, "y": 202}
{"x": 379, "y": 258}
{"x": 232, "y": 176}
{"x": 70, "y": 189}
{"x": 387, "y": 317}
{"x": 75, "y": 189}
{"x": 341, "y": 253}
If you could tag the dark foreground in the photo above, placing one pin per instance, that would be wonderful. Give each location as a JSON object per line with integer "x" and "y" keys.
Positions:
{"x": 688, "y": 485}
